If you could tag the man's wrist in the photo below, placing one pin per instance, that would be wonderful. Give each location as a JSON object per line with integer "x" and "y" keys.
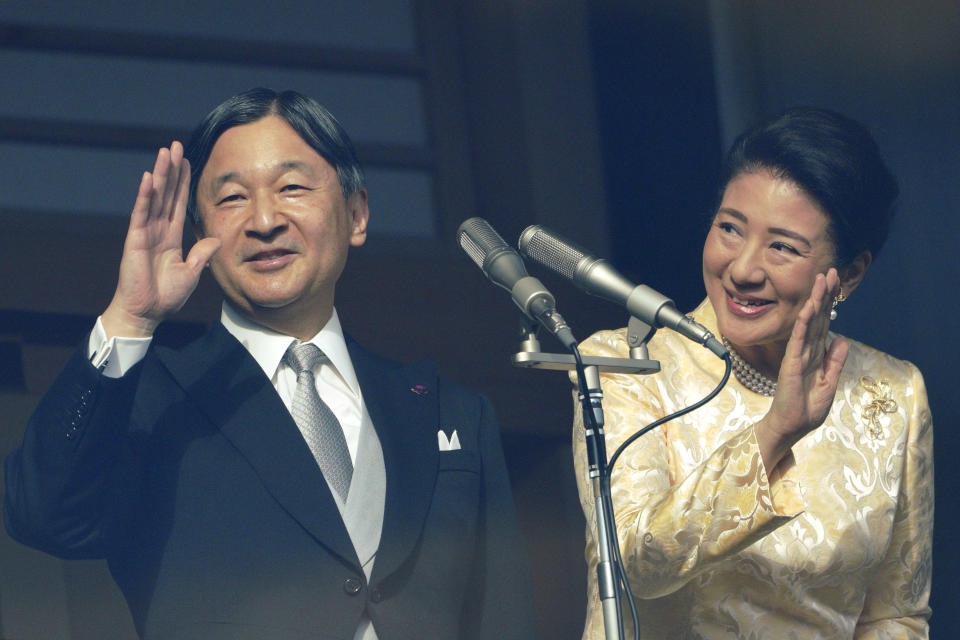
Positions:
{"x": 121, "y": 324}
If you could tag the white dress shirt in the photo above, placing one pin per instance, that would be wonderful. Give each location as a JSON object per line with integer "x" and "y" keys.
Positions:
{"x": 336, "y": 382}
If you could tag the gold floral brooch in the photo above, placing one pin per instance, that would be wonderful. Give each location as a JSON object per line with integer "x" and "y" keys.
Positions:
{"x": 881, "y": 403}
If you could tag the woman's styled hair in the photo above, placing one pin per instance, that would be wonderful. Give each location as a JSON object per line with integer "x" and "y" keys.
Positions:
{"x": 836, "y": 162}
{"x": 306, "y": 116}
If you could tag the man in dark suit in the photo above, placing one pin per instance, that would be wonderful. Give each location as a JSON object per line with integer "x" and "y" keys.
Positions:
{"x": 245, "y": 486}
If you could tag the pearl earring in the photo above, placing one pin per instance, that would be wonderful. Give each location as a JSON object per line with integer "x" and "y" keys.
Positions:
{"x": 836, "y": 301}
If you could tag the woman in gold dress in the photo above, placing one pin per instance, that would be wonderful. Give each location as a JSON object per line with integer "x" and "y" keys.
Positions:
{"x": 799, "y": 502}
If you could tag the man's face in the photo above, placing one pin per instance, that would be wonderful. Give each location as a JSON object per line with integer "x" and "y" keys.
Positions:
{"x": 278, "y": 209}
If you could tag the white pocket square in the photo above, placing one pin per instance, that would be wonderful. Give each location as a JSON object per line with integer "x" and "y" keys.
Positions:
{"x": 448, "y": 444}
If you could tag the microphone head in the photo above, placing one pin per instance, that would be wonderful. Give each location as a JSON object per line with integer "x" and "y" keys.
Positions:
{"x": 477, "y": 238}
{"x": 502, "y": 264}
{"x": 551, "y": 251}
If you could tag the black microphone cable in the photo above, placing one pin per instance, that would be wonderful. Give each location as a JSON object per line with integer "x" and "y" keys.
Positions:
{"x": 606, "y": 492}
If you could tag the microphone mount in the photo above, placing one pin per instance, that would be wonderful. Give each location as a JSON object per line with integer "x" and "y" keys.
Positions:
{"x": 529, "y": 356}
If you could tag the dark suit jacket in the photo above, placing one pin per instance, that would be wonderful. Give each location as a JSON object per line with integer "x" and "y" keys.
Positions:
{"x": 189, "y": 475}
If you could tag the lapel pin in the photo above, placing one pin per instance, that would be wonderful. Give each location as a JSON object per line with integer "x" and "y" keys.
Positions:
{"x": 419, "y": 389}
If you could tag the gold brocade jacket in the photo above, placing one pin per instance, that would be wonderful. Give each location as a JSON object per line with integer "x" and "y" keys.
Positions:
{"x": 835, "y": 542}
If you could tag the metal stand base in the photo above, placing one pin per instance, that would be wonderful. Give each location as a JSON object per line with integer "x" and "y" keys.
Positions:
{"x": 562, "y": 362}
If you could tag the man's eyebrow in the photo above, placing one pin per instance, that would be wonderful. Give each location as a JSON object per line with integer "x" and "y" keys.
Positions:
{"x": 289, "y": 165}
{"x": 222, "y": 179}
{"x": 286, "y": 165}
{"x": 775, "y": 230}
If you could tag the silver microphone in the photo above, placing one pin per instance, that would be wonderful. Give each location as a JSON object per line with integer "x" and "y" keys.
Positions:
{"x": 504, "y": 267}
{"x": 597, "y": 277}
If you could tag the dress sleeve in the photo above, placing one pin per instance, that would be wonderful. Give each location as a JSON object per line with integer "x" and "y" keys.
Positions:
{"x": 896, "y": 604}
{"x": 672, "y": 527}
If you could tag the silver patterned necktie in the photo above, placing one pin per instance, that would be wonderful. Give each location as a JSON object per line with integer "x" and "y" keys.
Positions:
{"x": 317, "y": 423}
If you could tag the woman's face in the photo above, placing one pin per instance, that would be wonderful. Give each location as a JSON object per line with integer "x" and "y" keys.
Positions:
{"x": 767, "y": 243}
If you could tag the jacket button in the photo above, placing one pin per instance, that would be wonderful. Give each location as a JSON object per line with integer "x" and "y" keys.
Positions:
{"x": 375, "y": 595}
{"x": 352, "y": 586}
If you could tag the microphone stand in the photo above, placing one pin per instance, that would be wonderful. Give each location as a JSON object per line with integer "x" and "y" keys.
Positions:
{"x": 591, "y": 402}
{"x": 608, "y": 583}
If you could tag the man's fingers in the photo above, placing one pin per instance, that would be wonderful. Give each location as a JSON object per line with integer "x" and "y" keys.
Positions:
{"x": 161, "y": 170}
{"x": 174, "y": 176}
{"x": 178, "y": 208}
{"x": 201, "y": 252}
{"x": 141, "y": 206}
{"x": 182, "y": 194}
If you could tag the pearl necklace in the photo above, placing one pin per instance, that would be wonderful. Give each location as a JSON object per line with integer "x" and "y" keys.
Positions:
{"x": 747, "y": 375}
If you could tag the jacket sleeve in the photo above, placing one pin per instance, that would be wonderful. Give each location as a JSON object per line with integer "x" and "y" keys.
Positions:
{"x": 673, "y": 526}
{"x": 499, "y": 604}
{"x": 61, "y": 482}
{"x": 896, "y": 604}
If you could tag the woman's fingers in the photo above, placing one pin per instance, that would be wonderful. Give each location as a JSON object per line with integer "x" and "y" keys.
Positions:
{"x": 808, "y": 339}
{"x": 833, "y": 362}
{"x": 830, "y": 291}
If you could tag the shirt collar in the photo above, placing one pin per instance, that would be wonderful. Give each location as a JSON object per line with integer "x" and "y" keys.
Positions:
{"x": 268, "y": 346}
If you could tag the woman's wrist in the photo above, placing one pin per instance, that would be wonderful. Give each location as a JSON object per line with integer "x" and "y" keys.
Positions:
{"x": 773, "y": 444}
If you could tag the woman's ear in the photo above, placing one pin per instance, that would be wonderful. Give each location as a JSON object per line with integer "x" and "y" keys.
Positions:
{"x": 852, "y": 275}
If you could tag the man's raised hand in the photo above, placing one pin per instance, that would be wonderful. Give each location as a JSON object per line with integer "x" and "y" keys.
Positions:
{"x": 155, "y": 280}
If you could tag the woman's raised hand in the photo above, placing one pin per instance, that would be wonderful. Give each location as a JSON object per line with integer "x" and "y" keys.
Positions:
{"x": 809, "y": 373}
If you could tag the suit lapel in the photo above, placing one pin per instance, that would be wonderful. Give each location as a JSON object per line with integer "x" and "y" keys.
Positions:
{"x": 230, "y": 388}
{"x": 403, "y": 406}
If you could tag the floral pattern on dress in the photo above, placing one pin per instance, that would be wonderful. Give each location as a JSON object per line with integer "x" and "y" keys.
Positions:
{"x": 835, "y": 542}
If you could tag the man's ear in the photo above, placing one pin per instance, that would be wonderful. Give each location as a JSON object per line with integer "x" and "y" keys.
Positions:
{"x": 359, "y": 216}
{"x": 852, "y": 275}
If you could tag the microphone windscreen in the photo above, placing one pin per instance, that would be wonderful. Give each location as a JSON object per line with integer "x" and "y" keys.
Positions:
{"x": 477, "y": 238}
{"x": 550, "y": 251}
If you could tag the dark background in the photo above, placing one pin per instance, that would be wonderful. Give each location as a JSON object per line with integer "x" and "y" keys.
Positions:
{"x": 604, "y": 120}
